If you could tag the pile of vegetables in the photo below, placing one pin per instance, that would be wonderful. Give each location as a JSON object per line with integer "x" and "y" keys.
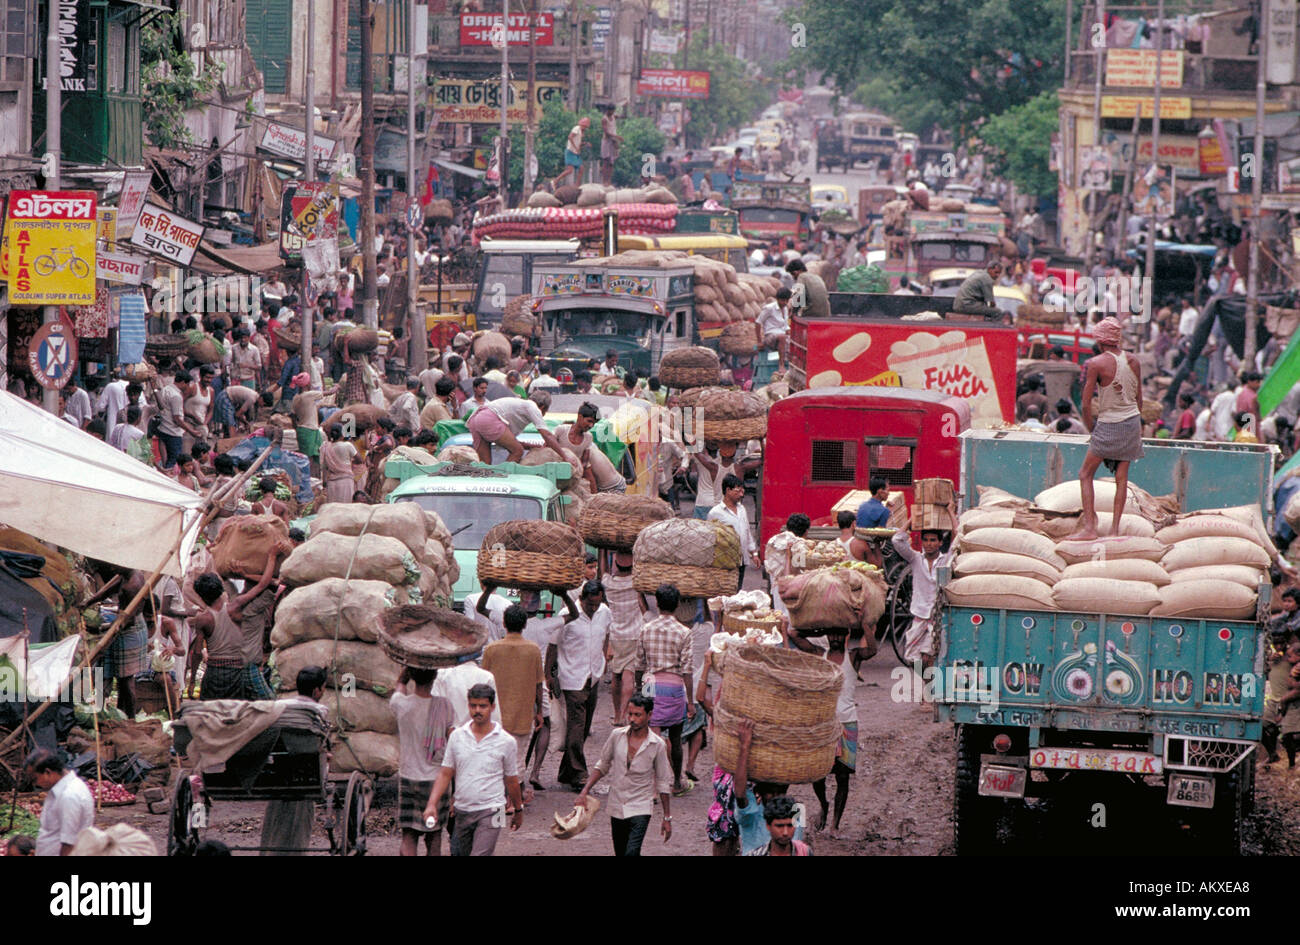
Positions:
{"x": 27, "y": 821}
{"x": 862, "y": 279}
{"x": 853, "y": 566}
{"x": 106, "y": 792}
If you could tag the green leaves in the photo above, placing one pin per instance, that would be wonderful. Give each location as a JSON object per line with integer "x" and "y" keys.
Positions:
{"x": 736, "y": 92}
{"x": 171, "y": 82}
{"x": 1019, "y": 143}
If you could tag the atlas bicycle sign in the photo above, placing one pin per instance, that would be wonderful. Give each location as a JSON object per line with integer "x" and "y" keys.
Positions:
{"x": 51, "y": 245}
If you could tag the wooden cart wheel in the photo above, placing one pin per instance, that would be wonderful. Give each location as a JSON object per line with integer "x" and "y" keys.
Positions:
{"x": 181, "y": 837}
{"x": 356, "y": 805}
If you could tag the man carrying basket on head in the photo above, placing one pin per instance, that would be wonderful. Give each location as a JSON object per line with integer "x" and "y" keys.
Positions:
{"x": 499, "y": 423}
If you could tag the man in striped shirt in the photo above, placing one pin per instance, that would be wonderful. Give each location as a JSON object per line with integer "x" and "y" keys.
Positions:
{"x": 664, "y": 650}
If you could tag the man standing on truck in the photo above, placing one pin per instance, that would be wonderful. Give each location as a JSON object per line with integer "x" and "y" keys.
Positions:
{"x": 975, "y": 295}
{"x": 573, "y": 154}
{"x": 1116, "y": 427}
{"x": 919, "y": 640}
{"x": 811, "y": 297}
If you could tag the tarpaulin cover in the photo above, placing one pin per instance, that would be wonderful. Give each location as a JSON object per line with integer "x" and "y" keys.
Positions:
{"x": 61, "y": 485}
{"x": 1281, "y": 377}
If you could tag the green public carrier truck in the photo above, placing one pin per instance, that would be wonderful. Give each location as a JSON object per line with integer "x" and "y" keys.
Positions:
{"x": 1148, "y": 717}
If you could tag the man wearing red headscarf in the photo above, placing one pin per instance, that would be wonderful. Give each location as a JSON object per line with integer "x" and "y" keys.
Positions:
{"x": 1115, "y": 422}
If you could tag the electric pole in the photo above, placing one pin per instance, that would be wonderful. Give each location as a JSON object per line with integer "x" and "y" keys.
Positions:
{"x": 530, "y": 126}
{"x": 53, "y": 151}
{"x": 366, "y": 167}
{"x": 1153, "y": 199}
{"x": 309, "y": 174}
{"x": 418, "y": 344}
{"x": 1256, "y": 192}
{"x": 503, "y": 142}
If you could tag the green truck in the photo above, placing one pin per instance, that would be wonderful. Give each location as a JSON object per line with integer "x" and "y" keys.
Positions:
{"x": 1148, "y": 718}
{"x": 470, "y": 503}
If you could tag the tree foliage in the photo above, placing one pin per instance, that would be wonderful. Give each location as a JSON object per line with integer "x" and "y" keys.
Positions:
{"x": 736, "y": 92}
{"x": 1019, "y": 143}
{"x": 171, "y": 84}
{"x": 970, "y": 60}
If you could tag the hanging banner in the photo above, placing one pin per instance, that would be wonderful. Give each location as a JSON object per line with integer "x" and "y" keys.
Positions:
{"x": 51, "y": 247}
{"x": 167, "y": 235}
{"x": 673, "y": 83}
{"x": 135, "y": 188}
{"x": 478, "y": 101}
{"x": 120, "y": 267}
{"x": 292, "y": 143}
{"x": 1210, "y": 157}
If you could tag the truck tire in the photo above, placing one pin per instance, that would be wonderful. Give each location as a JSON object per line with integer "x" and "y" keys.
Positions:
{"x": 974, "y": 818}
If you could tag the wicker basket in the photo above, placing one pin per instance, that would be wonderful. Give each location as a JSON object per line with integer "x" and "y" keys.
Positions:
{"x": 425, "y": 637}
{"x": 166, "y": 347}
{"x": 813, "y": 560}
{"x": 532, "y": 555}
{"x": 746, "y": 428}
{"x": 289, "y": 337}
{"x": 689, "y": 581}
{"x": 611, "y": 520}
{"x": 739, "y": 338}
{"x": 690, "y": 367}
{"x": 740, "y": 621}
{"x": 791, "y": 699}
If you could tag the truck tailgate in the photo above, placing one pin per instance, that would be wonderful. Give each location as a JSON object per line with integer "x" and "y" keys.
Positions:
{"x": 1175, "y": 676}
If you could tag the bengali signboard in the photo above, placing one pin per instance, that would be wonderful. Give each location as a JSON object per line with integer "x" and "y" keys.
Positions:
{"x": 673, "y": 83}
{"x": 478, "y": 101}
{"x": 665, "y": 41}
{"x": 135, "y": 190}
{"x": 292, "y": 143}
{"x": 476, "y": 29}
{"x": 165, "y": 234}
{"x": 1136, "y": 68}
{"x": 1126, "y": 106}
{"x": 602, "y": 24}
{"x": 120, "y": 267}
{"x": 51, "y": 236}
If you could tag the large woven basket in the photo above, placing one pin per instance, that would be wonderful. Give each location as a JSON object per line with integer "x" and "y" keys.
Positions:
{"x": 166, "y": 347}
{"x": 532, "y": 555}
{"x": 739, "y": 338}
{"x": 791, "y": 698}
{"x": 690, "y": 367}
{"x": 690, "y": 581}
{"x": 289, "y": 337}
{"x": 740, "y": 621}
{"x": 426, "y": 637}
{"x": 612, "y": 520}
{"x": 746, "y": 428}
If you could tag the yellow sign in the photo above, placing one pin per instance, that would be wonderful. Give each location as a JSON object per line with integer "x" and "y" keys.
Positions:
{"x": 51, "y": 256}
{"x": 478, "y": 101}
{"x": 1125, "y": 106}
{"x": 107, "y": 228}
{"x": 1136, "y": 69}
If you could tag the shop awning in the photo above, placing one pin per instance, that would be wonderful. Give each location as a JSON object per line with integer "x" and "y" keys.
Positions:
{"x": 61, "y": 485}
{"x": 230, "y": 260}
{"x": 458, "y": 168}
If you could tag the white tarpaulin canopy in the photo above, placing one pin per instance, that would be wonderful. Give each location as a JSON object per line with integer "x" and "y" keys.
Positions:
{"x": 64, "y": 486}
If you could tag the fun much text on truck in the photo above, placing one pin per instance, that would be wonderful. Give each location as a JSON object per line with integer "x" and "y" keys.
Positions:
{"x": 1132, "y": 718}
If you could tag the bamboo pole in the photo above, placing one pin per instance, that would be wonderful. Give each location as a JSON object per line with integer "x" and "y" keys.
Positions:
{"x": 212, "y": 508}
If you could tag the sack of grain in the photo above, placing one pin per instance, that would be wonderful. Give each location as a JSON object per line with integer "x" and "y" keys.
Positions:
{"x": 363, "y": 417}
{"x": 371, "y": 558}
{"x": 1204, "y": 552}
{"x": 245, "y": 542}
{"x": 541, "y": 455}
{"x": 542, "y": 199}
{"x": 740, "y": 339}
{"x": 834, "y": 598}
{"x": 1059, "y": 526}
{"x": 689, "y": 542}
{"x": 999, "y": 591}
{"x": 458, "y": 454}
{"x": 1241, "y": 574}
{"x": 1094, "y": 595}
{"x": 401, "y": 520}
{"x": 488, "y": 344}
{"x": 517, "y": 317}
{"x": 568, "y": 194}
{"x": 365, "y": 665}
{"x": 356, "y": 340}
{"x": 1012, "y": 541}
{"x": 706, "y": 295}
{"x": 591, "y": 195}
{"x": 1225, "y": 600}
{"x": 1207, "y": 526}
{"x": 659, "y": 194}
{"x": 1066, "y": 497}
{"x": 375, "y": 753}
{"x": 985, "y": 518}
{"x": 1246, "y": 514}
{"x": 1103, "y": 549}
{"x": 1120, "y": 569}
{"x": 204, "y": 348}
{"x": 363, "y": 711}
{"x": 993, "y": 497}
{"x": 316, "y": 611}
{"x": 997, "y": 562}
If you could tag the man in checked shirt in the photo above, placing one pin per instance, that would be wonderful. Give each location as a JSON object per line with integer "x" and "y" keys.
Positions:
{"x": 663, "y": 654}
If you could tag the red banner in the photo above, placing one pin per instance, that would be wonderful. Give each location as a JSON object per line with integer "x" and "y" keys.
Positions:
{"x": 673, "y": 83}
{"x": 476, "y": 29}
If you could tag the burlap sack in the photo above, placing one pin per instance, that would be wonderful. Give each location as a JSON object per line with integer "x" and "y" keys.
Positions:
{"x": 1225, "y": 600}
{"x": 997, "y": 562}
{"x": 1120, "y": 569}
{"x": 830, "y": 598}
{"x": 364, "y": 665}
{"x": 1203, "y": 552}
{"x": 316, "y": 611}
{"x": 371, "y": 557}
{"x": 1091, "y": 595}
{"x": 245, "y": 542}
{"x": 1012, "y": 541}
{"x": 1246, "y": 514}
{"x": 1207, "y": 526}
{"x": 401, "y": 520}
{"x": 375, "y": 753}
{"x": 488, "y": 344}
{"x": 1241, "y": 574}
{"x": 363, "y": 711}
{"x": 999, "y": 591}
{"x": 689, "y": 542}
{"x": 1103, "y": 549}
{"x": 541, "y": 455}
{"x": 993, "y": 497}
{"x": 458, "y": 454}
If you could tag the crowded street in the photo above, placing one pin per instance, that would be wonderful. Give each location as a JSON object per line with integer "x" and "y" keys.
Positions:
{"x": 651, "y": 429}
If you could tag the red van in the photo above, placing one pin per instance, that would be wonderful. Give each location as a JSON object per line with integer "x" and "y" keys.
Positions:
{"x": 825, "y": 442}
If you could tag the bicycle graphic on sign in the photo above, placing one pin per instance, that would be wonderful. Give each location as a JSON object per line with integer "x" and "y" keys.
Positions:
{"x": 59, "y": 259}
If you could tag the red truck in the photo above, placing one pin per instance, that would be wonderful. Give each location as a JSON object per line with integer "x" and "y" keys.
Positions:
{"x": 971, "y": 359}
{"x": 826, "y": 442}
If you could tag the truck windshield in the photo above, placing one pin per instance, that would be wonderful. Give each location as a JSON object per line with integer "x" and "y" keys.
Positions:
{"x": 480, "y": 512}
{"x": 953, "y": 252}
{"x": 765, "y": 215}
{"x": 572, "y": 323}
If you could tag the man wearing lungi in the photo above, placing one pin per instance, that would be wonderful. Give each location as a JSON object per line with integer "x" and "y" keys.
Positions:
{"x": 1116, "y": 426}
{"x": 663, "y": 654}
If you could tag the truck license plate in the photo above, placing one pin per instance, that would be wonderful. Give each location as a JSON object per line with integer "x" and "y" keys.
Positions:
{"x": 1002, "y": 781}
{"x": 1187, "y": 790}
{"x": 1087, "y": 759}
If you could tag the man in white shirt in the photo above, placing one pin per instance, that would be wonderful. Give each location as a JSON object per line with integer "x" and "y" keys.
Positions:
{"x": 69, "y": 807}
{"x": 731, "y": 511}
{"x": 925, "y": 589}
{"x": 1223, "y": 413}
{"x": 773, "y": 322}
{"x": 543, "y": 380}
{"x": 1187, "y": 319}
{"x": 76, "y": 406}
{"x": 429, "y": 378}
{"x": 405, "y": 411}
{"x": 480, "y": 755}
{"x": 126, "y": 433}
{"x": 488, "y": 608}
{"x": 575, "y": 662}
{"x": 499, "y": 423}
{"x": 112, "y": 401}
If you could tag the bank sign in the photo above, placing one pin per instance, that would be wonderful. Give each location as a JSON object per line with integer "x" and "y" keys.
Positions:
{"x": 78, "y": 65}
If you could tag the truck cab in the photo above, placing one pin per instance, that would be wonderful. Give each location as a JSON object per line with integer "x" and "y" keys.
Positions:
{"x": 770, "y": 210}
{"x": 585, "y": 307}
{"x": 506, "y": 271}
{"x": 824, "y": 443}
{"x": 869, "y": 137}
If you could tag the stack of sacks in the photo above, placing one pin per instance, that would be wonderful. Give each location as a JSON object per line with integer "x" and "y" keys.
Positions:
{"x": 1004, "y": 567}
{"x": 405, "y": 556}
{"x": 580, "y": 222}
{"x": 1110, "y": 575}
{"x": 1215, "y": 564}
{"x": 575, "y": 486}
